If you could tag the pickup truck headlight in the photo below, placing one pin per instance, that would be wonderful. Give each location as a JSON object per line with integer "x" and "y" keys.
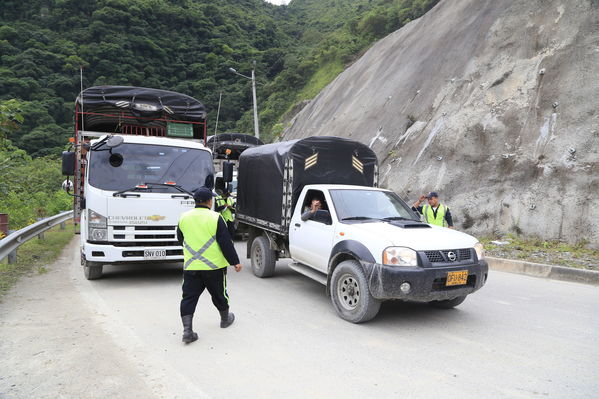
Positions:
{"x": 400, "y": 256}
{"x": 480, "y": 250}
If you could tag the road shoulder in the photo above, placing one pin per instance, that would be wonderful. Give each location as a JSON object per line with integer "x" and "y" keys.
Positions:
{"x": 54, "y": 344}
{"x": 547, "y": 271}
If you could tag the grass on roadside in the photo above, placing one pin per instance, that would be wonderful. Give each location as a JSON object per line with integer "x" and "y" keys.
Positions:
{"x": 535, "y": 250}
{"x": 34, "y": 256}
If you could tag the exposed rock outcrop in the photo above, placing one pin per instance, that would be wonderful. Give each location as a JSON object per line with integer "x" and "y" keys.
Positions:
{"x": 495, "y": 104}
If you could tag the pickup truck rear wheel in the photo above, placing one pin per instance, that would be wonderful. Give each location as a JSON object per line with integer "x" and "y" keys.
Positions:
{"x": 449, "y": 303}
{"x": 263, "y": 258}
{"x": 350, "y": 295}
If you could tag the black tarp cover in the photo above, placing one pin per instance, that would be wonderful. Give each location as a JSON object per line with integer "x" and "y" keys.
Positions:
{"x": 260, "y": 188}
{"x": 175, "y": 105}
{"x": 236, "y": 142}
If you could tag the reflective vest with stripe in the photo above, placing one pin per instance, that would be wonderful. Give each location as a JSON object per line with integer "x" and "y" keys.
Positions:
{"x": 429, "y": 215}
{"x": 226, "y": 213}
{"x": 200, "y": 249}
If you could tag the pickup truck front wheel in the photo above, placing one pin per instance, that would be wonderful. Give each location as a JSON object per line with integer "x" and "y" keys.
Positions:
{"x": 350, "y": 295}
{"x": 263, "y": 258}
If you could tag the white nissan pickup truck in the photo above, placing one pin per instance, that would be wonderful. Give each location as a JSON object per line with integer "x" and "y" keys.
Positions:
{"x": 365, "y": 244}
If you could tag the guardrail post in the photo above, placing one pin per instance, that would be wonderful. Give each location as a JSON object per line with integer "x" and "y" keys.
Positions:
{"x": 63, "y": 225}
{"x": 40, "y": 235}
{"x": 12, "y": 257}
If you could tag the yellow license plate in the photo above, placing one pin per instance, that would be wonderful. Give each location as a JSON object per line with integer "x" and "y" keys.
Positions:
{"x": 457, "y": 278}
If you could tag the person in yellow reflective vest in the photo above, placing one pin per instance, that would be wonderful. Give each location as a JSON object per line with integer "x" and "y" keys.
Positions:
{"x": 226, "y": 206}
{"x": 435, "y": 212}
{"x": 207, "y": 251}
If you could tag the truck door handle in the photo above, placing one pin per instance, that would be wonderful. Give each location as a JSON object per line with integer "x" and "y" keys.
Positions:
{"x": 298, "y": 225}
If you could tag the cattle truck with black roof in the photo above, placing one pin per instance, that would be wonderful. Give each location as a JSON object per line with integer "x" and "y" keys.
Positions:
{"x": 137, "y": 155}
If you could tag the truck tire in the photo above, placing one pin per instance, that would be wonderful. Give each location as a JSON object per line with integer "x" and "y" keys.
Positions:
{"x": 263, "y": 258}
{"x": 92, "y": 270}
{"x": 449, "y": 303}
{"x": 350, "y": 294}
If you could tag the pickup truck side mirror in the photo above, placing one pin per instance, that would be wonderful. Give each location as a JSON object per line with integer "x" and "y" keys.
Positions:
{"x": 68, "y": 163}
{"x": 323, "y": 216}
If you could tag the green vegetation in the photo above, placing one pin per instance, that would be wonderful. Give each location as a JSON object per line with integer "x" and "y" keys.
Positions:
{"x": 34, "y": 256}
{"x": 535, "y": 250}
{"x": 29, "y": 187}
{"x": 185, "y": 46}
{"x": 182, "y": 45}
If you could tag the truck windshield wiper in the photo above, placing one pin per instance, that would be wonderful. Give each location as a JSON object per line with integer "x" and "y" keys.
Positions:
{"x": 145, "y": 186}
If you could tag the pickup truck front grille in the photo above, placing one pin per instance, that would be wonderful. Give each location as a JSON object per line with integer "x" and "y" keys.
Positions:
{"x": 443, "y": 256}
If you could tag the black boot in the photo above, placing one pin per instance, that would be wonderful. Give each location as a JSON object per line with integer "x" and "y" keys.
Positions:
{"x": 226, "y": 318}
{"x": 188, "y": 335}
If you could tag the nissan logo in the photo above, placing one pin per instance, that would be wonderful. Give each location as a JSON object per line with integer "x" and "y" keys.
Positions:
{"x": 451, "y": 256}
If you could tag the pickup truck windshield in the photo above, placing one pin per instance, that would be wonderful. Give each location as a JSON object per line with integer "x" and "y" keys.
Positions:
{"x": 144, "y": 163}
{"x": 367, "y": 204}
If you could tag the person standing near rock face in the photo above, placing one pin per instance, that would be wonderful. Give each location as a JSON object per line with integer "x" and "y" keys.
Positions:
{"x": 435, "y": 212}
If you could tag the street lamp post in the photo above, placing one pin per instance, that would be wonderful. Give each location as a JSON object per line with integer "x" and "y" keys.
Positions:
{"x": 253, "y": 79}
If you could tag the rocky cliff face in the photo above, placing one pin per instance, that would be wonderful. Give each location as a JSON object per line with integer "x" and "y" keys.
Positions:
{"x": 492, "y": 103}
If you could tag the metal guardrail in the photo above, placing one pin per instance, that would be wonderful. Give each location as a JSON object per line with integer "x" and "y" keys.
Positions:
{"x": 11, "y": 242}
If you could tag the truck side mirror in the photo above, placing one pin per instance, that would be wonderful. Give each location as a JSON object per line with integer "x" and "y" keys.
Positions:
{"x": 219, "y": 186}
{"x": 68, "y": 163}
{"x": 228, "y": 171}
{"x": 209, "y": 181}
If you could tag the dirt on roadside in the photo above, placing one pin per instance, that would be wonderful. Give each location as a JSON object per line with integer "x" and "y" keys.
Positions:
{"x": 53, "y": 345}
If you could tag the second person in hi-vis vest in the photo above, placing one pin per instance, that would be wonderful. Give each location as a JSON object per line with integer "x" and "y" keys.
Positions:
{"x": 207, "y": 251}
{"x": 434, "y": 212}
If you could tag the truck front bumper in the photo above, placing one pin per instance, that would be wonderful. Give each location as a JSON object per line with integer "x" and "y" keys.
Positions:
{"x": 426, "y": 284}
{"x": 106, "y": 253}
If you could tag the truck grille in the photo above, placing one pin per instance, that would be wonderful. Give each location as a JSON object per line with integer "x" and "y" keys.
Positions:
{"x": 443, "y": 256}
{"x": 143, "y": 236}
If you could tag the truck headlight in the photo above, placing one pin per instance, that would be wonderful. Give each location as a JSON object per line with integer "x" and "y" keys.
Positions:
{"x": 98, "y": 234}
{"x": 480, "y": 250}
{"x": 400, "y": 256}
{"x": 94, "y": 219}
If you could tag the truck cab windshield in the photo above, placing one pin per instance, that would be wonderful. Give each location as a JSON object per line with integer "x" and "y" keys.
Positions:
{"x": 144, "y": 163}
{"x": 370, "y": 205}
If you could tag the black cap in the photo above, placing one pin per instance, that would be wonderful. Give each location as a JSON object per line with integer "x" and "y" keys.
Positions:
{"x": 203, "y": 194}
{"x": 432, "y": 194}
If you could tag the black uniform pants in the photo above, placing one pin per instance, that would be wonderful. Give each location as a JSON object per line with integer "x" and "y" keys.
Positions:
{"x": 194, "y": 283}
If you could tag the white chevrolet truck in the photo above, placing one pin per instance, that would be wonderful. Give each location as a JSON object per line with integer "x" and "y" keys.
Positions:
{"x": 137, "y": 155}
{"x": 365, "y": 244}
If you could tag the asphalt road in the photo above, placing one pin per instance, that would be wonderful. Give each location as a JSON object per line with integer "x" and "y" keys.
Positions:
{"x": 518, "y": 337}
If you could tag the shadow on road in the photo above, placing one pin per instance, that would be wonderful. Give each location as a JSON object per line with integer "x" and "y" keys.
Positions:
{"x": 143, "y": 272}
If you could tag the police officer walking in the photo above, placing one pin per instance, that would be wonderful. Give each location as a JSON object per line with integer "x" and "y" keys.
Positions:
{"x": 435, "y": 212}
{"x": 207, "y": 251}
